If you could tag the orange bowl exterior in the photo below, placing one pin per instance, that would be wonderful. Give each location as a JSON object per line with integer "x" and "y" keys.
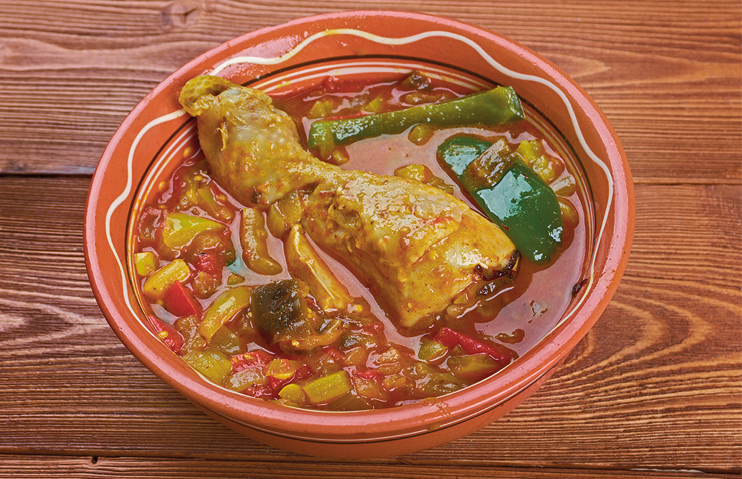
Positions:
{"x": 363, "y": 35}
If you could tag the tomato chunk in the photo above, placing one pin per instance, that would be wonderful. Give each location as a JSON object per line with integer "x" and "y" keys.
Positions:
{"x": 180, "y": 301}
{"x": 168, "y": 334}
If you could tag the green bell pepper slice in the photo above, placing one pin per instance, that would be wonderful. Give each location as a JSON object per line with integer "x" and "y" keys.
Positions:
{"x": 509, "y": 192}
{"x": 180, "y": 228}
{"x": 499, "y": 106}
{"x": 223, "y": 308}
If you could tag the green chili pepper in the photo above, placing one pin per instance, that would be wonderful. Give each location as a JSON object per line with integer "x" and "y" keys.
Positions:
{"x": 509, "y": 192}
{"x": 499, "y": 106}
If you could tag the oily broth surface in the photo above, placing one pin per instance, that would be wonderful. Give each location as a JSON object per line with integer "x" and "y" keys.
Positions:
{"x": 520, "y": 314}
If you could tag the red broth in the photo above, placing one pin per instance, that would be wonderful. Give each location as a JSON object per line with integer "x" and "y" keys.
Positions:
{"x": 373, "y": 364}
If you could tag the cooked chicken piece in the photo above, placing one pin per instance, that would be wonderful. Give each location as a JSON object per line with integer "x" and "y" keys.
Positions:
{"x": 416, "y": 247}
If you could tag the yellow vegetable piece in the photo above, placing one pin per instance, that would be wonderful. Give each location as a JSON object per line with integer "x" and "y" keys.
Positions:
{"x": 223, "y": 308}
{"x": 179, "y": 229}
{"x": 145, "y": 262}
{"x": 420, "y": 134}
{"x": 431, "y": 350}
{"x": 281, "y": 369}
{"x": 328, "y": 387}
{"x": 293, "y": 393}
{"x": 158, "y": 282}
{"x": 538, "y": 160}
{"x": 209, "y": 362}
{"x": 304, "y": 263}
{"x": 253, "y": 237}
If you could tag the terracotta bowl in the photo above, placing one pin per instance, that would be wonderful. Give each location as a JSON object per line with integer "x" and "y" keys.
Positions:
{"x": 149, "y": 144}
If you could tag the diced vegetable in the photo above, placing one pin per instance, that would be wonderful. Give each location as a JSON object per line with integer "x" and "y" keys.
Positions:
{"x": 245, "y": 379}
{"x": 420, "y": 134}
{"x": 474, "y": 367}
{"x": 368, "y": 384}
{"x": 167, "y": 334}
{"x": 204, "y": 285}
{"x": 431, "y": 350}
{"x": 429, "y": 382}
{"x": 564, "y": 186}
{"x": 281, "y": 369}
{"x": 303, "y": 262}
{"x": 569, "y": 212}
{"x": 225, "y": 341}
{"x": 285, "y": 213}
{"x": 145, "y": 262}
{"x": 223, "y": 308}
{"x": 211, "y": 363}
{"x": 536, "y": 158}
{"x": 207, "y": 201}
{"x": 279, "y": 307}
{"x": 451, "y": 338}
{"x": 281, "y": 315}
{"x": 235, "y": 279}
{"x": 509, "y": 192}
{"x": 149, "y": 225}
{"x": 327, "y": 388}
{"x": 321, "y": 109}
{"x": 253, "y": 359}
{"x": 293, "y": 393}
{"x": 159, "y": 282}
{"x": 187, "y": 326}
{"x": 417, "y": 80}
{"x": 179, "y": 301}
{"x": 498, "y": 106}
{"x": 322, "y": 363}
{"x": 179, "y": 229}
{"x": 253, "y": 238}
{"x": 488, "y": 169}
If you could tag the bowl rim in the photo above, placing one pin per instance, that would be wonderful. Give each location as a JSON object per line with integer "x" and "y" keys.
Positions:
{"x": 408, "y": 420}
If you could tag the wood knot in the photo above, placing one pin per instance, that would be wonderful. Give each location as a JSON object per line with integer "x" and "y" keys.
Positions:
{"x": 180, "y": 14}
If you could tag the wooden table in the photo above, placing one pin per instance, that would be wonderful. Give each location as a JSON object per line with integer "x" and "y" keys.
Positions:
{"x": 655, "y": 389}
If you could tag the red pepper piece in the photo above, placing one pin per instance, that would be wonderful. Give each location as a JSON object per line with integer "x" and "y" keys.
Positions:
{"x": 180, "y": 301}
{"x": 450, "y": 338}
{"x": 210, "y": 263}
{"x": 254, "y": 359}
{"x": 168, "y": 334}
{"x": 275, "y": 383}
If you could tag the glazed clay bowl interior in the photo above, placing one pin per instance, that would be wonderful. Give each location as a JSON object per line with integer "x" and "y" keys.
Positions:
{"x": 368, "y": 44}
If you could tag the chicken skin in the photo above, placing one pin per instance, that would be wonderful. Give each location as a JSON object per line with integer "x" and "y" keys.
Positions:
{"x": 414, "y": 246}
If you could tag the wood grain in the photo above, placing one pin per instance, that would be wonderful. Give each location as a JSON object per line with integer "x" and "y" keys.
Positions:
{"x": 73, "y": 467}
{"x": 666, "y": 87}
{"x": 656, "y": 383}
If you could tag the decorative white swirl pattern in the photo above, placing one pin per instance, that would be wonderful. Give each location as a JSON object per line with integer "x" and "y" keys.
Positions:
{"x": 387, "y": 41}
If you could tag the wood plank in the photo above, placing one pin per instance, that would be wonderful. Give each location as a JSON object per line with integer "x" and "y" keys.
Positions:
{"x": 69, "y": 73}
{"x": 656, "y": 384}
{"x": 73, "y": 467}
